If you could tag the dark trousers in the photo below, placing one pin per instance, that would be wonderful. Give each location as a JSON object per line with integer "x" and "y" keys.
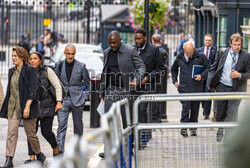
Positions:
{"x": 190, "y": 111}
{"x": 46, "y": 130}
{"x": 150, "y": 111}
{"x": 206, "y": 104}
{"x": 114, "y": 94}
{"x": 63, "y": 116}
{"x": 227, "y": 110}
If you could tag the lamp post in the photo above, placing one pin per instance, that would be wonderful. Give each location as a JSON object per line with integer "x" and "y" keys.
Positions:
{"x": 146, "y": 17}
{"x": 88, "y": 5}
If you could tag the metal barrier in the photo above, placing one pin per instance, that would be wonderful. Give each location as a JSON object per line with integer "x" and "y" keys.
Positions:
{"x": 118, "y": 142}
{"x": 168, "y": 149}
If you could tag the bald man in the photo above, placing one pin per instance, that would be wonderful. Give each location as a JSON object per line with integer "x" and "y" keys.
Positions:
{"x": 74, "y": 76}
{"x": 121, "y": 73}
{"x": 187, "y": 83}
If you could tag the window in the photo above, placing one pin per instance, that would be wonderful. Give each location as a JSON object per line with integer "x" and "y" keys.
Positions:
{"x": 127, "y": 38}
{"x": 246, "y": 21}
{"x": 222, "y": 32}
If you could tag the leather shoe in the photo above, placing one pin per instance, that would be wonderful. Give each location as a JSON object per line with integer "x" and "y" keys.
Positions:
{"x": 219, "y": 135}
{"x": 193, "y": 133}
{"x": 102, "y": 155}
{"x": 206, "y": 117}
{"x": 8, "y": 163}
{"x": 41, "y": 157}
{"x": 28, "y": 161}
{"x": 184, "y": 133}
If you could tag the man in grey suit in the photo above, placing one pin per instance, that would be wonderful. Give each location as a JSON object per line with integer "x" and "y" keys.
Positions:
{"x": 122, "y": 71}
{"x": 121, "y": 74}
{"x": 74, "y": 76}
{"x": 229, "y": 73}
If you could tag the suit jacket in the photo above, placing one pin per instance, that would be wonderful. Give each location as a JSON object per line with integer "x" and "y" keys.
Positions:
{"x": 242, "y": 66}
{"x": 79, "y": 77}
{"x": 212, "y": 53}
{"x": 28, "y": 86}
{"x": 180, "y": 65}
{"x": 129, "y": 63}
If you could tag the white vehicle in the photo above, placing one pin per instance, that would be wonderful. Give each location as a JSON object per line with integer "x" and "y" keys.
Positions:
{"x": 90, "y": 55}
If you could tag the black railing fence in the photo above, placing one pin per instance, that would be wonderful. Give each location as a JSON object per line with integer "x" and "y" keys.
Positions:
{"x": 26, "y": 22}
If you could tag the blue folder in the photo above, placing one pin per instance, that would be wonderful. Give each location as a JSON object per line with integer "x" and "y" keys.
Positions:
{"x": 197, "y": 69}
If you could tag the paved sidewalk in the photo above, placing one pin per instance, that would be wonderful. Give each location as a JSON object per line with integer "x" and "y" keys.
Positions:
{"x": 173, "y": 113}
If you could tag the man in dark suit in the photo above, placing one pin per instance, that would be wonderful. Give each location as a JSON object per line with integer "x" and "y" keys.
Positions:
{"x": 73, "y": 75}
{"x": 210, "y": 52}
{"x": 153, "y": 61}
{"x": 183, "y": 65}
{"x": 150, "y": 83}
{"x": 121, "y": 74}
{"x": 229, "y": 73}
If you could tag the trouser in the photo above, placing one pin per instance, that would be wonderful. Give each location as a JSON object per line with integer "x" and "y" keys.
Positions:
{"x": 114, "y": 94}
{"x": 188, "y": 106}
{"x": 227, "y": 110}
{"x": 30, "y": 130}
{"x": 63, "y": 121}
{"x": 207, "y": 104}
{"x": 190, "y": 112}
{"x": 46, "y": 130}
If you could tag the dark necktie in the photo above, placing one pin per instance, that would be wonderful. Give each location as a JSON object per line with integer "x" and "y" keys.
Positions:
{"x": 233, "y": 60}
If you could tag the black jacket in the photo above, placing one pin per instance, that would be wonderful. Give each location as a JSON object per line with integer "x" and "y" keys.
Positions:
{"x": 187, "y": 84}
{"x": 28, "y": 85}
{"x": 47, "y": 103}
{"x": 153, "y": 61}
{"x": 130, "y": 64}
{"x": 242, "y": 66}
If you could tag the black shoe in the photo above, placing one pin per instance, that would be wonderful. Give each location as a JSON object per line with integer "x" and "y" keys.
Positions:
{"x": 143, "y": 144}
{"x": 28, "y": 161}
{"x": 206, "y": 117}
{"x": 102, "y": 155}
{"x": 193, "y": 133}
{"x": 41, "y": 157}
{"x": 8, "y": 163}
{"x": 219, "y": 135}
{"x": 184, "y": 133}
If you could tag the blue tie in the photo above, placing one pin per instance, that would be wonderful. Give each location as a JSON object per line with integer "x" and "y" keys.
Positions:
{"x": 233, "y": 60}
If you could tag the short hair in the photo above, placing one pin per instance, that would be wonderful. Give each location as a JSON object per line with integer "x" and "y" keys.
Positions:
{"x": 71, "y": 46}
{"x": 141, "y": 31}
{"x": 156, "y": 38}
{"x": 236, "y": 37}
{"x": 22, "y": 53}
{"x": 114, "y": 33}
{"x": 209, "y": 35}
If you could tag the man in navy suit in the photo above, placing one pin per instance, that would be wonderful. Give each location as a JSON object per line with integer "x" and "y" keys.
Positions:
{"x": 209, "y": 51}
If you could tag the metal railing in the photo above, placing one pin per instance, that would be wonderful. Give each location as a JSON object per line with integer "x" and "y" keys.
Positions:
{"x": 166, "y": 147}
{"x": 117, "y": 142}
{"x": 150, "y": 155}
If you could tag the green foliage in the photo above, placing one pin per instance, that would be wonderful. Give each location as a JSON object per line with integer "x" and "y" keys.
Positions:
{"x": 159, "y": 14}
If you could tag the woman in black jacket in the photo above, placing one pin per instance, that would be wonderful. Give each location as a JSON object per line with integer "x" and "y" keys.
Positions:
{"x": 48, "y": 104}
{"x": 21, "y": 102}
